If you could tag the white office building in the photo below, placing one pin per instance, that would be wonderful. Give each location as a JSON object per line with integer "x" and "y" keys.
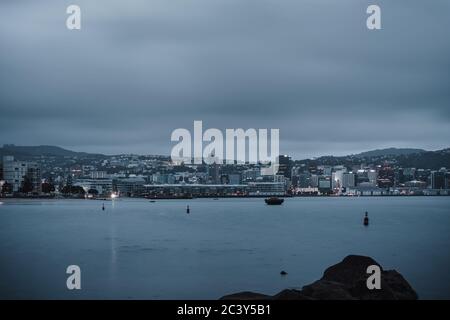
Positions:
{"x": 15, "y": 172}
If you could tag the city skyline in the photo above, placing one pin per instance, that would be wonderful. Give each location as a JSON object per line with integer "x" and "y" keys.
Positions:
{"x": 88, "y": 176}
{"x": 133, "y": 74}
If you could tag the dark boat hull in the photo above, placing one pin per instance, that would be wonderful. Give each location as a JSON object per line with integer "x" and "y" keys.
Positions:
{"x": 274, "y": 201}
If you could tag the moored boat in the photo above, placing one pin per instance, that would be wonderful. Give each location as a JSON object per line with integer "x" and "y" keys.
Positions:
{"x": 274, "y": 201}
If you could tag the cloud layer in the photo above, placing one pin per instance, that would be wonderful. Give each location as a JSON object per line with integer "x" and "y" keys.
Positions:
{"x": 140, "y": 69}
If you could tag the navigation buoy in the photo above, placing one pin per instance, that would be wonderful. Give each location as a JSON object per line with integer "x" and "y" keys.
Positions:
{"x": 187, "y": 209}
{"x": 366, "y": 220}
{"x": 103, "y": 207}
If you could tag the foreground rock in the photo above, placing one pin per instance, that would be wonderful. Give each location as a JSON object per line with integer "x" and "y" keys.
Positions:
{"x": 343, "y": 281}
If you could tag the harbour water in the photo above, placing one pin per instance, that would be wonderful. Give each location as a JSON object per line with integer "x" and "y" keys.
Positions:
{"x": 136, "y": 249}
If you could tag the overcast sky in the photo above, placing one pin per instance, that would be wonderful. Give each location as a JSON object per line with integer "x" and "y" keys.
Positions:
{"x": 137, "y": 70}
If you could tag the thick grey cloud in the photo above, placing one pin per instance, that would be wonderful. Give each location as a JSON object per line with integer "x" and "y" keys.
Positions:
{"x": 139, "y": 69}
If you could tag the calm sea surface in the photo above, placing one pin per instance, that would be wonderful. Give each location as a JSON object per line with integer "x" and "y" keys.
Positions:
{"x": 141, "y": 250}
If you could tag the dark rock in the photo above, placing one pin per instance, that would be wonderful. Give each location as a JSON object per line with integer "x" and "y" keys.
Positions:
{"x": 290, "y": 294}
{"x": 349, "y": 270}
{"x": 400, "y": 287}
{"x": 246, "y": 295}
{"x": 327, "y": 290}
{"x": 346, "y": 280}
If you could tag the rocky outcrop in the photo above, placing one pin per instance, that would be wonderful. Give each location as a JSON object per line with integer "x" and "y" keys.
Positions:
{"x": 343, "y": 281}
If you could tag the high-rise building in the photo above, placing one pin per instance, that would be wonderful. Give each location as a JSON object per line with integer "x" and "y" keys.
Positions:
{"x": 423, "y": 175}
{"x": 348, "y": 180}
{"x": 361, "y": 176}
{"x": 304, "y": 180}
{"x": 313, "y": 168}
{"x": 386, "y": 177}
{"x": 314, "y": 180}
{"x": 399, "y": 177}
{"x": 409, "y": 174}
{"x": 214, "y": 173}
{"x": 326, "y": 170}
{"x": 324, "y": 185}
{"x": 213, "y": 169}
{"x": 372, "y": 176}
{"x": 284, "y": 166}
{"x": 34, "y": 176}
{"x": 438, "y": 180}
{"x": 447, "y": 180}
{"x": 17, "y": 173}
{"x": 338, "y": 179}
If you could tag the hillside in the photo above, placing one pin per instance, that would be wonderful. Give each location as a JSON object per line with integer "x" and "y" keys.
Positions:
{"x": 407, "y": 159}
{"x": 389, "y": 152}
{"x": 21, "y": 152}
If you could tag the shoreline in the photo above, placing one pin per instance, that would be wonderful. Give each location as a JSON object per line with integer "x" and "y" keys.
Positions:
{"x": 220, "y": 197}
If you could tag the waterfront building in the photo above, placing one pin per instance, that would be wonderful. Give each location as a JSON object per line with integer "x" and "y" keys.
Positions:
{"x": 304, "y": 180}
{"x": 399, "y": 177}
{"x": 34, "y": 177}
{"x": 214, "y": 173}
{"x": 348, "y": 180}
{"x": 266, "y": 188}
{"x": 423, "y": 175}
{"x": 194, "y": 190}
{"x": 129, "y": 187}
{"x": 230, "y": 179}
{"x": 16, "y": 173}
{"x": 447, "y": 180}
{"x": 284, "y": 166}
{"x": 314, "y": 181}
{"x": 103, "y": 186}
{"x": 372, "y": 175}
{"x": 337, "y": 179}
{"x": 279, "y": 178}
{"x": 307, "y": 191}
{"x": 367, "y": 189}
{"x": 325, "y": 185}
{"x": 251, "y": 174}
{"x": 385, "y": 177}
{"x": 415, "y": 184}
{"x": 409, "y": 174}
{"x": 163, "y": 178}
{"x": 437, "y": 180}
{"x": 361, "y": 176}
